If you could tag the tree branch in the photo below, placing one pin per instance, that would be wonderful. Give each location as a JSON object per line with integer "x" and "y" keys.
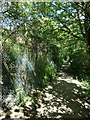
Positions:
{"x": 68, "y": 30}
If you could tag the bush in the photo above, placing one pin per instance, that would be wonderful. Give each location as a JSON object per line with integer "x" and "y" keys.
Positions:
{"x": 21, "y": 97}
{"x": 45, "y": 71}
{"x": 56, "y": 56}
{"x": 79, "y": 65}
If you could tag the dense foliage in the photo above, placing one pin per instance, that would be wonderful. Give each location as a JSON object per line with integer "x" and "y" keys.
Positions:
{"x": 39, "y": 39}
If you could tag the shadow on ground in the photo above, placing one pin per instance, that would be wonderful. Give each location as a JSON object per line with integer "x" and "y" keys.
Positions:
{"x": 64, "y": 98}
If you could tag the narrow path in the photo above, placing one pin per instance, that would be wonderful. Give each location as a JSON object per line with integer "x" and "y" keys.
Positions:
{"x": 64, "y": 99}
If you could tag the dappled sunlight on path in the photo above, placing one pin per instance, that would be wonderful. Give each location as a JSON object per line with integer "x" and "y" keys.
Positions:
{"x": 64, "y": 99}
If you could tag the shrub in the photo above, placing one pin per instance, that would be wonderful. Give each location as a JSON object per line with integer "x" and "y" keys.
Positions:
{"x": 45, "y": 71}
{"x": 79, "y": 65}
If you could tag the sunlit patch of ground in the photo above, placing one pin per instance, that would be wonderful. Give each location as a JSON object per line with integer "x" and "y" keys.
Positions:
{"x": 2, "y": 113}
{"x": 61, "y": 99}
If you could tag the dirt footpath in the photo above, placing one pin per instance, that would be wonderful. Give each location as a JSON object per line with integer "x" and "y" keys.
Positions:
{"x": 64, "y": 99}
